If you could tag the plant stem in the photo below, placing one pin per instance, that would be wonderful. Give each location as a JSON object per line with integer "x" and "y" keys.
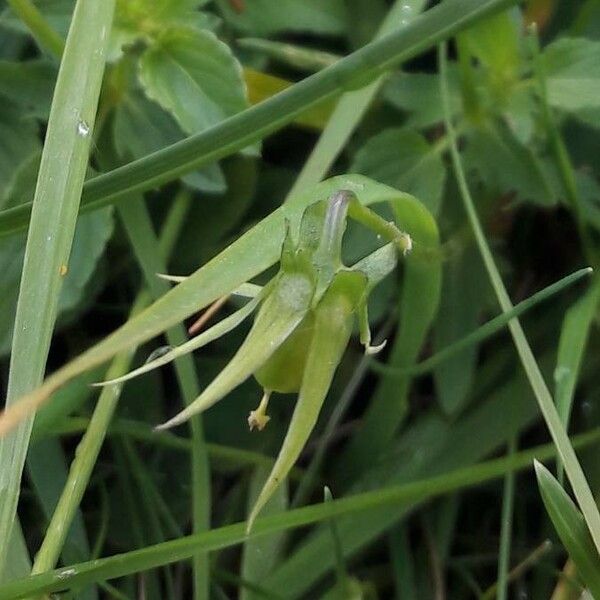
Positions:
{"x": 139, "y": 229}
{"x": 508, "y": 497}
{"x": 556, "y": 428}
{"x": 89, "y": 447}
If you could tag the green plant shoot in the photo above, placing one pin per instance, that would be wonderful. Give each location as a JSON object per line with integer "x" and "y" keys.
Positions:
{"x": 304, "y": 321}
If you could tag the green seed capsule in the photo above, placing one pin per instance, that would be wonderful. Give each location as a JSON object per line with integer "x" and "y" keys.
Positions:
{"x": 284, "y": 370}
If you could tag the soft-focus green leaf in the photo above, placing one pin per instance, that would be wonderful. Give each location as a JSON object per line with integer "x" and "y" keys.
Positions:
{"x": 265, "y": 17}
{"x": 194, "y": 76}
{"x": 460, "y": 305}
{"x": 17, "y": 563}
{"x": 573, "y": 73}
{"x": 571, "y": 528}
{"x": 574, "y": 335}
{"x": 91, "y": 236}
{"x": 56, "y": 12}
{"x": 405, "y": 160}
{"x": 142, "y": 127}
{"x": 418, "y": 94}
{"x": 508, "y": 166}
{"x": 494, "y": 42}
{"x": 28, "y": 84}
{"x": 19, "y": 142}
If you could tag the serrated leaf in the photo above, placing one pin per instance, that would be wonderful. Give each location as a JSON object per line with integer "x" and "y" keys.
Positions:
{"x": 508, "y": 166}
{"x": 419, "y": 95}
{"x": 405, "y": 160}
{"x": 137, "y": 19}
{"x": 141, "y": 127}
{"x": 195, "y": 77}
{"x": 572, "y": 68}
{"x": 571, "y": 528}
{"x": 264, "y": 17}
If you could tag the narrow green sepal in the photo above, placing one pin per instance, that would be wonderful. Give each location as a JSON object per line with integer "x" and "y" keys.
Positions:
{"x": 377, "y": 265}
{"x": 284, "y": 307}
{"x": 334, "y": 318}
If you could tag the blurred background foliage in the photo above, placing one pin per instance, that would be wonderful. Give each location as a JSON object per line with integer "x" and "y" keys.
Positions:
{"x": 178, "y": 67}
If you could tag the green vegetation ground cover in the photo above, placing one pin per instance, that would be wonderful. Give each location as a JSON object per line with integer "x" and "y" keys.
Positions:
{"x": 142, "y": 137}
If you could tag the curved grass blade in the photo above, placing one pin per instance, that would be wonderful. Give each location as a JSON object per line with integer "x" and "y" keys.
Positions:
{"x": 215, "y": 332}
{"x": 249, "y": 255}
{"x": 58, "y": 191}
{"x": 255, "y": 123}
{"x": 169, "y": 552}
{"x": 571, "y": 528}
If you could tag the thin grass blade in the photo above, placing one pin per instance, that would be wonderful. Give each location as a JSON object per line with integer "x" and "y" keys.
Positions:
{"x": 571, "y": 528}
{"x": 57, "y": 196}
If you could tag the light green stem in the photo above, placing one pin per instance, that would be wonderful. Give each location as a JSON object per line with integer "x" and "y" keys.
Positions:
{"x": 42, "y": 32}
{"x": 556, "y": 428}
{"x": 89, "y": 447}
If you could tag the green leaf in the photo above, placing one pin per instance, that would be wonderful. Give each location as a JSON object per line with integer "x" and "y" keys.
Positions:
{"x": 141, "y": 127}
{"x": 145, "y": 19}
{"x": 28, "y": 84}
{"x": 461, "y": 302}
{"x": 508, "y": 166}
{"x": 17, "y": 563}
{"x": 574, "y": 335}
{"x": 494, "y": 42}
{"x": 418, "y": 94}
{"x": 405, "y": 160}
{"x": 194, "y": 76}
{"x": 572, "y": 68}
{"x": 255, "y": 123}
{"x": 571, "y": 528}
{"x": 19, "y": 143}
{"x": 91, "y": 236}
{"x": 265, "y": 17}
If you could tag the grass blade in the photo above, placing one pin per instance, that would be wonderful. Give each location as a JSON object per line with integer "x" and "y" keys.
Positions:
{"x": 486, "y": 330}
{"x": 548, "y": 409}
{"x": 352, "y": 106}
{"x": 57, "y": 196}
{"x": 571, "y": 528}
{"x": 173, "y": 551}
{"x": 253, "y": 124}
{"x": 46, "y": 38}
{"x": 140, "y": 231}
{"x": 90, "y": 444}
